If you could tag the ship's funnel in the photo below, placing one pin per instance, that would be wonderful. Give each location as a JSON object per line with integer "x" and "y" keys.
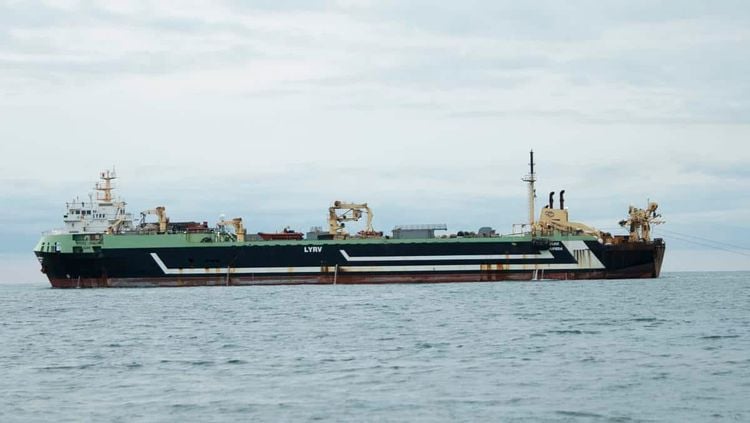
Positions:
{"x": 552, "y": 200}
{"x": 562, "y": 200}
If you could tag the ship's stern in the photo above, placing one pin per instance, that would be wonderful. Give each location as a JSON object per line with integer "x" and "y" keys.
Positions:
{"x": 659, "y": 249}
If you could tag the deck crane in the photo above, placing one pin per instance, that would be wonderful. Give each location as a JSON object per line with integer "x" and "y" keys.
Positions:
{"x": 239, "y": 227}
{"x": 639, "y": 222}
{"x": 121, "y": 218}
{"x": 161, "y": 214}
{"x": 351, "y": 212}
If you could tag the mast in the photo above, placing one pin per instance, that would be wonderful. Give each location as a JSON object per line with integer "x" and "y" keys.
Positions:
{"x": 530, "y": 179}
{"x": 106, "y": 187}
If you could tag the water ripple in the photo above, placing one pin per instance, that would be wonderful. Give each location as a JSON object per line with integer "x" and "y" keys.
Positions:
{"x": 673, "y": 349}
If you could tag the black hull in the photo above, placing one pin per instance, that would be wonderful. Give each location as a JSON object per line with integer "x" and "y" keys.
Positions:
{"x": 341, "y": 262}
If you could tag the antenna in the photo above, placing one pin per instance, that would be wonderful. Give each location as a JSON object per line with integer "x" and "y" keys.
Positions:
{"x": 530, "y": 179}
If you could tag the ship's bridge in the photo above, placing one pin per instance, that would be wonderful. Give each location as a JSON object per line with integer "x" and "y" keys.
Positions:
{"x": 103, "y": 214}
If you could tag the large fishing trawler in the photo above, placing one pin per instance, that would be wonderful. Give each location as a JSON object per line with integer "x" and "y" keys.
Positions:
{"x": 102, "y": 245}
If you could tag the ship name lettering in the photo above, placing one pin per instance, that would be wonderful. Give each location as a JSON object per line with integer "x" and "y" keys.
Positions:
{"x": 314, "y": 249}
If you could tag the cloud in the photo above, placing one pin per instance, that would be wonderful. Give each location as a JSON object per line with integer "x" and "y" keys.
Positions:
{"x": 425, "y": 109}
{"x": 625, "y": 66}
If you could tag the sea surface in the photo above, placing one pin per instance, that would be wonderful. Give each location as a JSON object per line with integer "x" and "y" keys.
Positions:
{"x": 675, "y": 349}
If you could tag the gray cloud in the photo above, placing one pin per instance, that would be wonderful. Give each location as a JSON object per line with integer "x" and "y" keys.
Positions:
{"x": 437, "y": 65}
{"x": 273, "y": 109}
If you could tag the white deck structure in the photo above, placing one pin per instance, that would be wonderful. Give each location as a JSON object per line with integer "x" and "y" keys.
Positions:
{"x": 104, "y": 214}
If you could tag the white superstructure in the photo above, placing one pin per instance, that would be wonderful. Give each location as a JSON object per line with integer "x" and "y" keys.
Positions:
{"x": 104, "y": 214}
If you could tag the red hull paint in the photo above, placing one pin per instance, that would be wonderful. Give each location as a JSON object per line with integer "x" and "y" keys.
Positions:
{"x": 344, "y": 279}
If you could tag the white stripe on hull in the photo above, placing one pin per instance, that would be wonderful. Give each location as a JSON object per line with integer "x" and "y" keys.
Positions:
{"x": 585, "y": 260}
{"x": 223, "y": 270}
{"x": 544, "y": 255}
{"x": 584, "y": 257}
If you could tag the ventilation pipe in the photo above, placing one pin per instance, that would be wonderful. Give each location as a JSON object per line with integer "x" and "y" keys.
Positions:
{"x": 552, "y": 200}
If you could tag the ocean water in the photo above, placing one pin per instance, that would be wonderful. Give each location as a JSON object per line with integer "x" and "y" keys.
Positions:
{"x": 674, "y": 349}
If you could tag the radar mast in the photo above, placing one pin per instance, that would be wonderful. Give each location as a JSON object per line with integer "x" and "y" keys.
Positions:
{"x": 105, "y": 188}
{"x": 531, "y": 179}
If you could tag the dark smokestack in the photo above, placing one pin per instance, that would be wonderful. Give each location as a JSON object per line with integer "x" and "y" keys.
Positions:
{"x": 552, "y": 200}
{"x": 562, "y": 200}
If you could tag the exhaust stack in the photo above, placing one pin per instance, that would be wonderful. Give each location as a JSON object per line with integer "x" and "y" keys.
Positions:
{"x": 562, "y": 200}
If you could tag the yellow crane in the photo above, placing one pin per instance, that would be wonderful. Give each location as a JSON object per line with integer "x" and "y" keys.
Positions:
{"x": 239, "y": 227}
{"x": 351, "y": 212}
{"x": 161, "y": 214}
{"x": 639, "y": 222}
{"x": 115, "y": 226}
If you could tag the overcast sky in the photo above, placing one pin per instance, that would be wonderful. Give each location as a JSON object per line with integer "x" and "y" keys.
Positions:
{"x": 270, "y": 110}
